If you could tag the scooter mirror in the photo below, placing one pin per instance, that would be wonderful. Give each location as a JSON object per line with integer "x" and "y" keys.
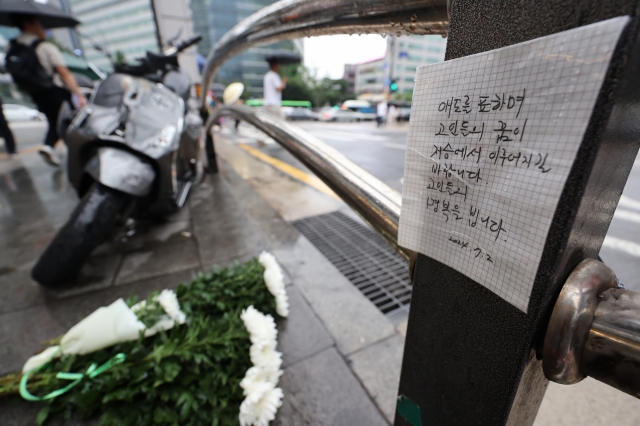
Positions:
{"x": 232, "y": 93}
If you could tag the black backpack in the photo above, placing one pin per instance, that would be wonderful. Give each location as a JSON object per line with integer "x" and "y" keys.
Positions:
{"x": 22, "y": 63}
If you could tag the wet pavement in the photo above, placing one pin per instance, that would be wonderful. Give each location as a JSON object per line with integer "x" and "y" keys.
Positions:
{"x": 331, "y": 325}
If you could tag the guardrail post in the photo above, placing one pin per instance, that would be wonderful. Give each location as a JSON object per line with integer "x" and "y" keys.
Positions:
{"x": 470, "y": 357}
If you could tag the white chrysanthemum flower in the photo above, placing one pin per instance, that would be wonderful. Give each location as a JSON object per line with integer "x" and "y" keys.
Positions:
{"x": 282, "y": 304}
{"x": 268, "y": 260}
{"x": 263, "y": 411}
{"x": 262, "y": 398}
{"x": 274, "y": 280}
{"x": 169, "y": 302}
{"x": 139, "y": 306}
{"x": 258, "y": 380}
{"x": 255, "y": 376}
{"x": 261, "y": 328}
{"x": 265, "y": 356}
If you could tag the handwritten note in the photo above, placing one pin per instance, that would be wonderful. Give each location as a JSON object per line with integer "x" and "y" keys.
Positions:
{"x": 491, "y": 142}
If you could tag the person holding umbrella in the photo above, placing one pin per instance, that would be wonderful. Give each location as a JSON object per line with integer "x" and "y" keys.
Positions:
{"x": 273, "y": 84}
{"x": 37, "y": 65}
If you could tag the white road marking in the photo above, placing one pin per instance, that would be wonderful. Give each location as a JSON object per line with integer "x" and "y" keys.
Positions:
{"x": 622, "y": 245}
{"x": 629, "y": 202}
{"x": 627, "y": 215}
{"x": 395, "y": 145}
{"x": 342, "y": 136}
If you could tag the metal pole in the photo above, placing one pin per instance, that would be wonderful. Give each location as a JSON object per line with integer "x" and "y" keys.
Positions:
{"x": 470, "y": 357}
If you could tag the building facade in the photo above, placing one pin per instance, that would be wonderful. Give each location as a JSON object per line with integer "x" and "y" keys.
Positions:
{"x": 126, "y": 26}
{"x": 213, "y": 19}
{"x": 349, "y": 76}
{"x": 369, "y": 79}
{"x": 404, "y": 55}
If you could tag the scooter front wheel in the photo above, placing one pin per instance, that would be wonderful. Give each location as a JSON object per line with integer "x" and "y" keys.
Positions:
{"x": 87, "y": 227}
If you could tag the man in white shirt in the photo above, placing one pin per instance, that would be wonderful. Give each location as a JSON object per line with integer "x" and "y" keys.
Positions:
{"x": 381, "y": 112}
{"x": 50, "y": 100}
{"x": 273, "y": 87}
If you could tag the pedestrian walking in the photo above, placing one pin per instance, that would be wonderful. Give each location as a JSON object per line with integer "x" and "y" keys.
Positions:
{"x": 381, "y": 113}
{"x": 393, "y": 114}
{"x": 48, "y": 80}
{"x": 273, "y": 87}
{"x": 5, "y": 132}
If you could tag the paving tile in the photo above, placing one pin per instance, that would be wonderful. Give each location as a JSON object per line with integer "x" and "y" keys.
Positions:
{"x": 224, "y": 232}
{"x": 19, "y": 291}
{"x": 351, "y": 319}
{"x": 588, "y": 403}
{"x": 22, "y": 333}
{"x": 154, "y": 231}
{"x": 97, "y": 273}
{"x": 18, "y": 412}
{"x": 378, "y": 369}
{"x": 158, "y": 259}
{"x": 275, "y": 228}
{"x": 301, "y": 334}
{"x": 322, "y": 391}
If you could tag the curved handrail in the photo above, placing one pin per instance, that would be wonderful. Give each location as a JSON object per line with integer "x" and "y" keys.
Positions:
{"x": 289, "y": 19}
{"x": 377, "y": 203}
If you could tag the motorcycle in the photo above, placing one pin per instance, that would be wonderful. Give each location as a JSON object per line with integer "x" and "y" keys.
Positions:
{"x": 133, "y": 151}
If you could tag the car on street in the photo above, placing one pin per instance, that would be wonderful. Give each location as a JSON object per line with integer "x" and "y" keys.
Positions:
{"x": 299, "y": 113}
{"x": 15, "y": 112}
{"x": 364, "y": 108}
{"x": 404, "y": 114}
{"x": 338, "y": 114}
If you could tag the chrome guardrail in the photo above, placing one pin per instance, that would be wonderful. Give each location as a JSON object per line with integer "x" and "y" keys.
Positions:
{"x": 377, "y": 203}
{"x": 594, "y": 331}
{"x": 289, "y": 19}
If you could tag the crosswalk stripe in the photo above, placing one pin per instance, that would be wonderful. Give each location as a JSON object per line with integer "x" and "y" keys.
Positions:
{"x": 395, "y": 145}
{"x": 619, "y": 244}
{"x": 627, "y": 215}
{"x": 629, "y": 202}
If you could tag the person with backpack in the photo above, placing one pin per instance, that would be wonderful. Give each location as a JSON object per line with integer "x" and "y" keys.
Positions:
{"x": 38, "y": 68}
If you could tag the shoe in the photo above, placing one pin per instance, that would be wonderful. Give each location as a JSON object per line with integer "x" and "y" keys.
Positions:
{"x": 49, "y": 155}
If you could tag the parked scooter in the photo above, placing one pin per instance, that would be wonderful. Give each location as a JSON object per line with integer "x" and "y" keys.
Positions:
{"x": 133, "y": 151}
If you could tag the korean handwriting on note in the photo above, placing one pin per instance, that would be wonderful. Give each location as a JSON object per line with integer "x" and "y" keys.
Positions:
{"x": 491, "y": 142}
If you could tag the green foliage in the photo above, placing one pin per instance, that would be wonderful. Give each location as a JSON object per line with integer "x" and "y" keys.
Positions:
{"x": 407, "y": 96}
{"x": 302, "y": 85}
{"x": 188, "y": 375}
{"x": 119, "y": 58}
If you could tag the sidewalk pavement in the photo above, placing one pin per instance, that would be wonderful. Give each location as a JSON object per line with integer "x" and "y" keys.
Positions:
{"x": 341, "y": 355}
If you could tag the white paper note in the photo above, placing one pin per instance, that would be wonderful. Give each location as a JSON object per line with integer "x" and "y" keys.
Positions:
{"x": 491, "y": 142}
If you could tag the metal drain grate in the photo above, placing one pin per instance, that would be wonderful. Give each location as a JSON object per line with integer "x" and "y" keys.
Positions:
{"x": 362, "y": 256}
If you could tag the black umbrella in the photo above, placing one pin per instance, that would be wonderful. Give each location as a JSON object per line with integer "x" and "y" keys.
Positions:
{"x": 48, "y": 15}
{"x": 283, "y": 57}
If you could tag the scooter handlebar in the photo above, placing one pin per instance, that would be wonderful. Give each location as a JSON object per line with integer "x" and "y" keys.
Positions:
{"x": 184, "y": 44}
